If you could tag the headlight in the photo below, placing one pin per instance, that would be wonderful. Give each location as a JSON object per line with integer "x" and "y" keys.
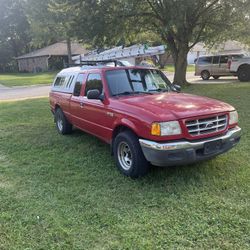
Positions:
{"x": 233, "y": 118}
{"x": 166, "y": 128}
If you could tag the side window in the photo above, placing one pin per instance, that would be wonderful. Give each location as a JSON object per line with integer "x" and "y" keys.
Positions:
{"x": 205, "y": 60}
{"x": 94, "y": 81}
{"x": 78, "y": 85}
{"x": 224, "y": 59}
{"x": 70, "y": 81}
{"x": 59, "y": 81}
{"x": 216, "y": 60}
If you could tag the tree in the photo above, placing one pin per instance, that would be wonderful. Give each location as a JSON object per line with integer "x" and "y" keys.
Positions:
{"x": 179, "y": 23}
{"x": 14, "y": 32}
{"x": 52, "y": 20}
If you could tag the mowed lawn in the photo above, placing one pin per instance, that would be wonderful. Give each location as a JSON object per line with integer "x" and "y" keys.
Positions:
{"x": 64, "y": 192}
{"x": 171, "y": 68}
{"x": 26, "y": 79}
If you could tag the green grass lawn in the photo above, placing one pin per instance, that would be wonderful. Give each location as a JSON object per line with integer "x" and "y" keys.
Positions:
{"x": 170, "y": 68}
{"x": 64, "y": 192}
{"x": 22, "y": 79}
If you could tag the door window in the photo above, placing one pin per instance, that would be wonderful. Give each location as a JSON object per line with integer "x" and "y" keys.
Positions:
{"x": 224, "y": 59}
{"x": 94, "y": 81}
{"x": 216, "y": 60}
{"x": 78, "y": 85}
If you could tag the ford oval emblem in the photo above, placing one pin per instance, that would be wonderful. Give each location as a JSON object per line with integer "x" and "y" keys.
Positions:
{"x": 209, "y": 125}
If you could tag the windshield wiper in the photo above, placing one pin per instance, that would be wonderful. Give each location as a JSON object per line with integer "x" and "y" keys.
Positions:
{"x": 159, "y": 90}
{"x": 133, "y": 93}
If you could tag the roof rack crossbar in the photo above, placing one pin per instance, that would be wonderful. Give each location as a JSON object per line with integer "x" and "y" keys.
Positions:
{"x": 92, "y": 63}
{"x": 95, "y": 62}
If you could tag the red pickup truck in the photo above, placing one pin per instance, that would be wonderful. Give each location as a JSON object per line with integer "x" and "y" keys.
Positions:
{"x": 142, "y": 116}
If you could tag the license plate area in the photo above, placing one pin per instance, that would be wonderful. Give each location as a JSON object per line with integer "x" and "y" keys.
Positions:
{"x": 212, "y": 147}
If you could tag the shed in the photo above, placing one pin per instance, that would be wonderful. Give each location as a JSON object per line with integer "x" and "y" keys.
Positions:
{"x": 52, "y": 57}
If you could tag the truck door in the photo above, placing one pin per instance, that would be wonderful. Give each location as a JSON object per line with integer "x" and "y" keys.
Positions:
{"x": 97, "y": 118}
{"x": 76, "y": 100}
{"x": 224, "y": 70}
{"x": 215, "y": 66}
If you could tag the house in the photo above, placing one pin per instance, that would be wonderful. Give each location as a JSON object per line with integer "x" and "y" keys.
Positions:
{"x": 198, "y": 50}
{"x": 53, "y": 57}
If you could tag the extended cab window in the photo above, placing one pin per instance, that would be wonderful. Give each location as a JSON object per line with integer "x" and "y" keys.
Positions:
{"x": 59, "y": 81}
{"x": 78, "y": 85}
{"x": 94, "y": 81}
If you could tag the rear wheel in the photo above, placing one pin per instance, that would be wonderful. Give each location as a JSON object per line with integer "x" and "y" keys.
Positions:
{"x": 62, "y": 124}
{"x": 244, "y": 73}
{"x": 129, "y": 156}
{"x": 216, "y": 77}
{"x": 205, "y": 75}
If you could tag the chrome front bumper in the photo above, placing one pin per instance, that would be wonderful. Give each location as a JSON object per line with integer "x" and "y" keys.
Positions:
{"x": 183, "y": 152}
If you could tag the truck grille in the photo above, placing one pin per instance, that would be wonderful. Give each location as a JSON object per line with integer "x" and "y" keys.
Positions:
{"x": 206, "y": 125}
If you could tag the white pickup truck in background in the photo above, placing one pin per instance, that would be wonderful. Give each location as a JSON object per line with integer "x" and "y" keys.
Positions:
{"x": 241, "y": 68}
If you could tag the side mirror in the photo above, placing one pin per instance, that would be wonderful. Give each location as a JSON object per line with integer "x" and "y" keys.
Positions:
{"x": 177, "y": 88}
{"x": 94, "y": 94}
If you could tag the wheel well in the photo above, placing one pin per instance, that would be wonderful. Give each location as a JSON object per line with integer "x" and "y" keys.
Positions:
{"x": 205, "y": 70}
{"x": 244, "y": 66}
{"x": 57, "y": 107}
{"x": 117, "y": 130}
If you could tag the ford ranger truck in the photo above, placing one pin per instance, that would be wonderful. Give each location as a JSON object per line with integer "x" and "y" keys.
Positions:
{"x": 143, "y": 117}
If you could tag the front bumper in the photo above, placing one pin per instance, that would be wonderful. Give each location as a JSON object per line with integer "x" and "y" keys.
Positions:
{"x": 186, "y": 152}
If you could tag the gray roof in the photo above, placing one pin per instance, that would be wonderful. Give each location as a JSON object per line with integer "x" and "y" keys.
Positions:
{"x": 57, "y": 49}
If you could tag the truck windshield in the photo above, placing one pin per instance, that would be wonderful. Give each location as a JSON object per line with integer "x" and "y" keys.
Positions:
{"x": 136, "y": 81}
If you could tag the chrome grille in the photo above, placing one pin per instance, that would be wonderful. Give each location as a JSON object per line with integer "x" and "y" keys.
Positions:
{"x": 206, "y": 125}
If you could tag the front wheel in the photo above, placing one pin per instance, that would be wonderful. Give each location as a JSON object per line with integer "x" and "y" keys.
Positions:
{"x": 244, "y": 73}
{"x": 62, "y": 124}
{"x": 129, "y": 156}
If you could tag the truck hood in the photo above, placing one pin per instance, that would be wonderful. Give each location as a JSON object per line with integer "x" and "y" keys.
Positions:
{"x": 169, "y": 106}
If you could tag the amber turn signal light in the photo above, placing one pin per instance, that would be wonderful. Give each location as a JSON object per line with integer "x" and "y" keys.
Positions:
{"x": 156, "y": 129}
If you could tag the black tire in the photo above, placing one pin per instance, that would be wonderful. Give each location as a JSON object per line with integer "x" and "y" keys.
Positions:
{"x": 216, "y": 77}
{"x": 139, "y": 165}
{"x": 62, "y": 124}
{"x": 244, "y": 73}
{"x": 205, "y": 75}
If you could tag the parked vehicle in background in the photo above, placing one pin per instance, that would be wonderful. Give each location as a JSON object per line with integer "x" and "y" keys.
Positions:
{"x": 142, "y": 116}
{"x": 241, "y": 67}
{"x": 215, "y": 66}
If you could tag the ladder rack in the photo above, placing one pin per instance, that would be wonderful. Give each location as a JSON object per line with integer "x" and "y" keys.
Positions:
{"x": 119, "y": 53}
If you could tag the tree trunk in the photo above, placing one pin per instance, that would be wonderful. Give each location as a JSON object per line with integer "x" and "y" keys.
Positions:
{"x": 179, "y": 50}
{"x": 180, "y": 62}
{"x": 69, "y": 51}
{"x": 180, "y": 69}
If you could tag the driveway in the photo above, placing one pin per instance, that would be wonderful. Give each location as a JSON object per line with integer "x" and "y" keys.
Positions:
{"x": 29, "y": 92}
{"x": 22, "y": 93}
